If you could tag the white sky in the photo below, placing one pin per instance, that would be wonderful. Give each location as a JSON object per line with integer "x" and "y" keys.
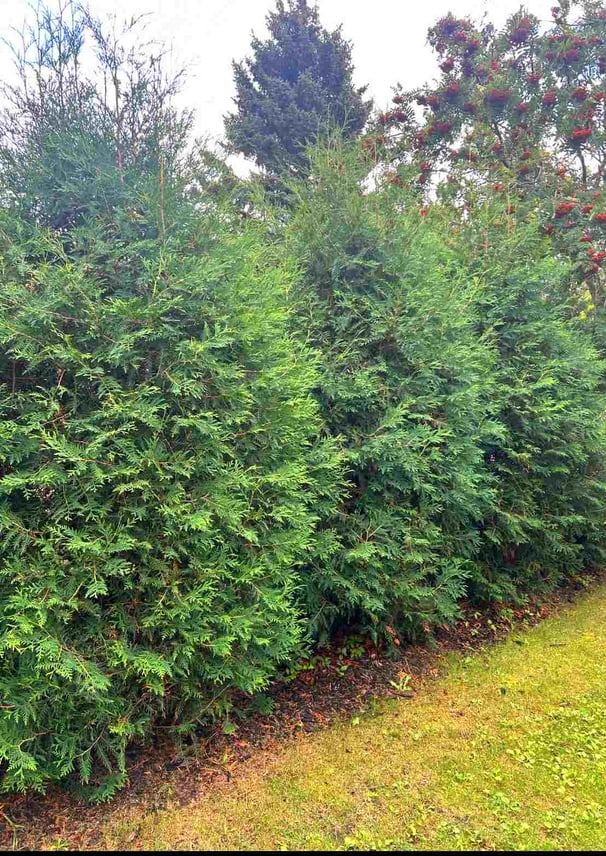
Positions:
{"x": 388, "y": 39}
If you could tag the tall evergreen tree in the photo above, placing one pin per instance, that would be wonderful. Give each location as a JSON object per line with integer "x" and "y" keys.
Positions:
{"x": 155, "y": 425}
{"x": 547, "y": 455}
{"x": 405, "y": 388}
{"x": 297, "y": 85}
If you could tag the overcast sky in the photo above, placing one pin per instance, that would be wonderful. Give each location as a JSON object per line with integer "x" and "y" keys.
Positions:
{"x": 388, "y": 39}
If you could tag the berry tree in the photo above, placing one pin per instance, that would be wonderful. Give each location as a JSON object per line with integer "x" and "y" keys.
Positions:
{"x": 519, "y": 113}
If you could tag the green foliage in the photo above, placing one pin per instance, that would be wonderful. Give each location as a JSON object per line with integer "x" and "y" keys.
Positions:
{"x": 548, "y": 461}
{"x": 469, "y": 407}
{"x": 158, "y": 475}
{"x": 405, "y": 388}
{"x": 153, "y": 504}
{"x": 522, "y": 99}
{"x": 226, "y": 430}
{"x": 88, "y": 122}
{"x": 295, "y": 89}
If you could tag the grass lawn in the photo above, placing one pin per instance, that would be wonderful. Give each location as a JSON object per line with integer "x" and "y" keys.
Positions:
{"x": 504, "y": 750}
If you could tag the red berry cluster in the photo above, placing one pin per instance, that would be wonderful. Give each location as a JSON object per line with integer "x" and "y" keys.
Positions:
{"x": 564, "y": 208}
{"x": 550, "y": 98}
{"x": 579, "y": 135}
{"x": 497, "y": 97}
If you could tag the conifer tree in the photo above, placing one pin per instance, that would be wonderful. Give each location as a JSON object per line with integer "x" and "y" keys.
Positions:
{"x": 73, "y": 144}
{"x": 295, "y": 88}
{"x": 405, "y": 388}
{"x": 548, "y": 455}
{"x": 157, "y": 469}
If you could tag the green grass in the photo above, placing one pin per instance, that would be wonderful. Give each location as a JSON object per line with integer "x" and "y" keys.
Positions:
{"x": 504, "y": 750}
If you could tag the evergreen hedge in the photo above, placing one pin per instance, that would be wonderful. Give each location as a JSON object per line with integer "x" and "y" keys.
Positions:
{"x": 548, "y": 459}
{"x": 155, "y": 497}
{"x": 405, "y": 387}
{"x": 223, "y": 437}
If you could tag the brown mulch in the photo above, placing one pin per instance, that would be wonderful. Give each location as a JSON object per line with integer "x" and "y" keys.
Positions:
{"x": 317, "y": 697}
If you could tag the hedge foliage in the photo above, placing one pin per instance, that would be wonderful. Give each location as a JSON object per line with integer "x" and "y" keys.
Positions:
{"x": 155, "y": 495}
{"x": 227, "y": 432}
{"x": 159, "y": 440}
{"x": 406, "y": 386}
{"x": 549, "y": 456}
{"x": 469, "y": 407}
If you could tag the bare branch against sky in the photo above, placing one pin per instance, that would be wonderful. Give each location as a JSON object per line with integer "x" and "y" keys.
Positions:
{"x": 388, "y": 38}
